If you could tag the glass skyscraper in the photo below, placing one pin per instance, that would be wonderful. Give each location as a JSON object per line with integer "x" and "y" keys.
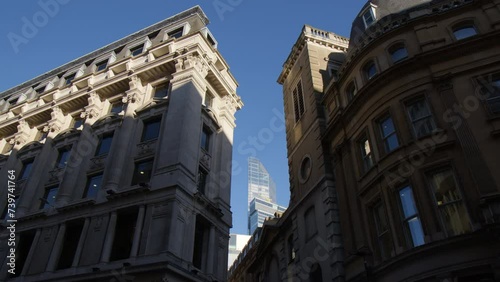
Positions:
{"x": 260, "y": 183}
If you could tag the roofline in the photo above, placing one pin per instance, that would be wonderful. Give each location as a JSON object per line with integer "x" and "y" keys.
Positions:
{"x": 196, "y": 10}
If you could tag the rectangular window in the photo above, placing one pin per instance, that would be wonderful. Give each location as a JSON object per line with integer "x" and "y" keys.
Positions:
{"x": 101, "y": 65}
{"x": 162, "y": 90}
{"x": 369, "y": 17}
{"x": 49, "y": 198}
{"x": 69, "y": 79}
{"x": 151, "y": 129}
{"x": 116, "y": 107}
{"x": 202, "y": 180}
{"x": 26, "y": 239}
{"x": 310, "y": 221}
{"x": 298, "y": 101}
{"x": 104, "y": 145}
{"x": 93, "y": 186}
{"x": 388, "y": 132}
{"x": 490, "y": 90}
{"x": 71, "y": 240}
{"x": 136, "y": 50}
{"x": 202, "y": 230}
{"x": 26, "y": 170}
{"x": 142, "y": 172}
{"x": 63, "y": 157}
{"x": 448, "y": 199}
{"x": 411, "y": 220}
{"x": 421, "y": 117}
{"x": 176, "y": 33}
{"x": 205, "y": 139}
{"x": 208, "y": 99}
{"x": 382, "y": 230}
{"x": 124, "y": 234}
{"x": 40, "y": 90}
{"x": 366, "y": 153}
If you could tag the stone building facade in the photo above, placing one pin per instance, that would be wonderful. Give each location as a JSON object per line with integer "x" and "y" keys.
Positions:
{"x": 407, "y": 138}
{"x": 122, "y": 161}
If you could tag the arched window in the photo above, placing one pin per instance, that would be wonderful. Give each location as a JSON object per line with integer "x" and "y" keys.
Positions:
{"x": 464, "y": 30}
{"x": 351, "y": 90}
{"x": 370, "y": 70}
{"x": 398, "y": 52}
{"x": 316, "y": 275}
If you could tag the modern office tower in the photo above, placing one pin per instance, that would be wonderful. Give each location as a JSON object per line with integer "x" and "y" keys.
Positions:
{"x": 117, "y": 159}
{"x": 260, "y": 183}
{"x": 394, "y": 152}
{"x": 236, "y": 244}
{"x": 260, "y": 210}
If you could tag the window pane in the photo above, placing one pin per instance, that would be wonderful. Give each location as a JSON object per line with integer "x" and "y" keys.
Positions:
{"x": 399, "y": 54}
{"x": 387, "y": 127}
{"x": 380, "y": 219}
{"x": 407, "y": 202}
{"x": 104, "y": 145}
{"x": 202, "y": 180}
{"x": 25, "y": 172}
{"x": 49, "y": 198}
{"x": 424, "y": 127}
{"x": 136, "y": 50}
{"x": 93, "y": 186}
{"x": 78, "y": 122}
{"x": 116, "y": 108}
{"x": 205, "y": 139}
{"x": 416, "y": 232}
{"x": 445, "y": 188}
{"x": 176, "y": 33}
{"x": 162, "y": 90}
{"x": 101, "y": 65}
{"x": 455, "y": 218}
{"x": 69, "y": 78}
{"x": 368, "y": 18}
{"x": 464, "y": 32}
{"x": 418, "y": 110}
{"x": 151, "y": 130}
{"x": 351, "y": 91}
{"x": 142, "y": 172}
{"x": 370, "y": 70}
{"x": 62, "y": 159}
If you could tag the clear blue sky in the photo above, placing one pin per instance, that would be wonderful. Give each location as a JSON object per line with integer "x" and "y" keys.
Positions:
{"x": 255, "y": 38}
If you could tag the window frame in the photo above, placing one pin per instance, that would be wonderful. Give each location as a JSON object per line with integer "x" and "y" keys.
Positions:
{"x": 366, "y": 66}
{"x": 429, "y": 173}
{"x": 351, "y": 85}
{"x": 21, "y": 176}
{"x": 106, "y": 135}
{"x": 134, "y": 48}
{"x": 411, "y": 122}
{"x": 101, "y": 63}
{"x": 88, "y": 183}
{"x": 136, "y": 178}
{"x": 406, "y": 219}
{"x": 148, "y": 122}
{"x": 45, "y": 203}
{"x": 373, "y": 14}
{"x": 60, "y": 154}
{"x": 360, "y": 143}
{"x": 383, "y": 139}
{"x": 164, "y": 85}
{"x": 395, "y": 47}
{"x": 489, "y": 98}
{"x": 68, "y": 79}
{"x": 206, "y": 131}
{"x": 462, "y": 25}
{"x": 379, "y": 203}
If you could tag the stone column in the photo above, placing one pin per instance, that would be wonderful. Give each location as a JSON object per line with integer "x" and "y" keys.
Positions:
{"x": 56, "y": 251}
{"x": 180, "y": 135}
{"x": 108, "y": 242}
{"x": 123, "y": 144}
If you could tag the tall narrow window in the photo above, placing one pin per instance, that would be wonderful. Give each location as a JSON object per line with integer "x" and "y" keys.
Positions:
{"x": 142, "y": 172}
{"x": 205, "y": 139}
{"x": 421, "y": 117}
{"x": 370, "y": 70}
{"x": 162, "y": 90}
{"x": 104, "y": 145}
{"x": 26, "y": 170}
{"x": 398, "y": 52}
{"x": 388, "y": 132}
{"x": 411, "y": 220}
{"x": 201, "y": 240}
{"x": 449, "y": 202}
{"x": 63, "y": 157}
{"x": 26, "y": 239}
{"x": 71, "y": 240}
{"x": 366, "y": 153}
{"x": 382, "y": 230}
{"x": 298, "y": 101}
{"x": 208, "y": 99}
{"x": 368, "y": 17}
{"x": 310, "y": 223}
{"x": 351, "y": 91}
{"x": 202, "y": 180}
{"x": 49, "y": 198}
{"x": 124, "y": 234}
{"x": 136, "y": 50}
{"x": 151, "y": 129}
{"x": 464, "y": 31}
{"x": 291, "y": 249}
{"x": 92, "y": 186}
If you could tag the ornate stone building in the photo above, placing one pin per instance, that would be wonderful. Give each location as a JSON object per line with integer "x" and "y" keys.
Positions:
{"x": 407, "y": 138}
{"x": 122, "y": 161}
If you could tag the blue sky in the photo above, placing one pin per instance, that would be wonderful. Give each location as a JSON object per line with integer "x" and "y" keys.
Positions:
{"x": 255, "y": 38}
